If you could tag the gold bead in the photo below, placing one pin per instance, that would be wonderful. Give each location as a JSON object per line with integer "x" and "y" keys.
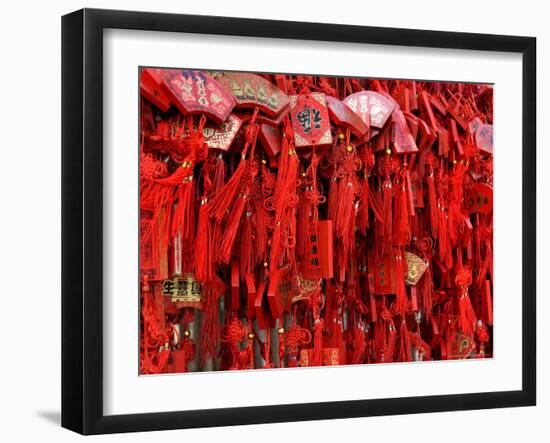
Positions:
{"x": 186, "y": 333}
{"x": 264, "y": 162}
{"x": 265, "y": 264}
{"x": 281, "y": 330}
{"x": 388, "y": 151}
{"x": 303, "y": 174}
{"x": 250, "y": 335}
{"x": 455, "y": 162}
{"x": 349, "y": 148}
{"x": 341, "y": 136}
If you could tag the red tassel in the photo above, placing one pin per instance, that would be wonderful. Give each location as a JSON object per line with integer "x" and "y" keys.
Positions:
{"x": 344, "y": 208}
{"x": 434, "y": 210}
{"x": 405, "y": 343}
{"x": 401, "y": 290}
{"x": 387, "y": 216}
{"x": 363, "y": 215}
{"x": 247, "y": 256}
{"x": 284, "y": 205}
{"x": 159, "y": 194}
{"x": 425, "y": 287}
{"x": 260, "y": 217}
{"x": 183, "y": 218}
{"x": 317, "y": 357}
{"x": 230, "y": 232}
{"x": 210, "y": 327}
{"x": 467, "y": 319}
{"x": 203, "y": 246}
{"x": 224, "y": 197}
{"x": 402, "y": 232}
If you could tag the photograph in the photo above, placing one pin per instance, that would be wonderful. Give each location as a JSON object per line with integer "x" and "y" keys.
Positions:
{"x": 294, "y": 220}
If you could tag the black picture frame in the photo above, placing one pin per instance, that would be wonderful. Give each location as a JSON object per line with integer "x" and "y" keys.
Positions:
{"x": 82, "y": 219}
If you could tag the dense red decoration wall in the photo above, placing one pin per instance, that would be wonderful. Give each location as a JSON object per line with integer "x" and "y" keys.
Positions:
{"x": 301, "y": 221}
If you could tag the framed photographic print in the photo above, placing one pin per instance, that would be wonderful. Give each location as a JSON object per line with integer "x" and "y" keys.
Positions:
{"x": 270, "y": 221}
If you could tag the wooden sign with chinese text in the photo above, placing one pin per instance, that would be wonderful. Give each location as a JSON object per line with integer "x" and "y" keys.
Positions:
{"x": 380, "y": 108}
{"x": 253, "y": 91}
{"x": 484, "y": 138}
{"x": 221, "y": 136}
{"x": 359, "y": 103}
{"x": 403, "y": 141}
{"x": 310, "y": 120}
{"x": 194, "y": 92}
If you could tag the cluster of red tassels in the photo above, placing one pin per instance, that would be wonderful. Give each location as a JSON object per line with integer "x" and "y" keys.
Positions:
{"x": 303, "y": 221}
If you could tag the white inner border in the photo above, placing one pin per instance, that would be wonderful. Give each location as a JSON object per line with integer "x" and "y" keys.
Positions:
{"x": 125, "y": 392}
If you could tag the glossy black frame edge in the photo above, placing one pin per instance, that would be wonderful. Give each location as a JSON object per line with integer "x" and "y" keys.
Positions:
{"x": 82, "y": 156}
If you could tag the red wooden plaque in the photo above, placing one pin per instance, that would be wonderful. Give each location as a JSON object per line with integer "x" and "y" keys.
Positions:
{"x": 250, "y": 295}
{"x": 262, "y": 317}
{"x": 359, "y": 103}
{"x": 484, "y": 138}
{"x": 274, "y": 296}
{"x": 262, "y": 118}
{"x": 195, "y": 92}
{"x": 235, "y": 286}
{"x": 479, "y": 198}
{"x": 342, "y": 115}
{"x": 380, "y": 108}
{"x": 253, "y": 91}
{"x": 325, "y": 248}
{"x": 151, "y": 88}
{"x": 383, "y": 272}
{"x": 310, "y": 120}
{"x": 270, "y": 137}
{"x": 221, "y": 136}
{"x": 329, "y": 357}
{"x": 474, "y": 124}
{"x": 402, "y": 139}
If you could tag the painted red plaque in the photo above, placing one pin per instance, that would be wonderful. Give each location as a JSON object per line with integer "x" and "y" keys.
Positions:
{"x": 152, "y": 89}
{"x": 427, "y": 108}
{"x": 325, "y": 248}
{"x": 484, "y": 138}
{"x": 455, "y": 138}
{"x": 221, "y": 136}
{"x": 460, "y": 347}
{"x": 474, "y": 124}
{"x": 235, "y": 286}
{"x": 427, "y": 136}
{"x": 380, "y": 108}
{"x": 270, "y": 137}
{"x": 479, "y": 198}
{"x": 250, "y": 295}
{"x": 359, "y": 103}
{"x": 329, "y": 357}
{"x": 262, "y": 317}
{"x": 274, "y": 297}
{"x": 253, "y": 91}
{"x": 194, "y": 92}
{"x": 310, "y": 120}
{"x": 403, "y": 141}
{"x": 383, "y": 272}
{"x": 342, "y": 115}
{"x": 412, "y": 121}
